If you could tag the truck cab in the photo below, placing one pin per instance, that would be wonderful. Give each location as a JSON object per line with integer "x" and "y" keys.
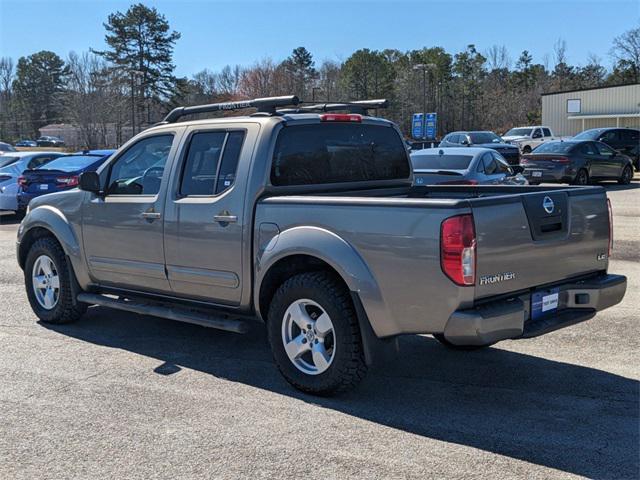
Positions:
{"x": 528, "y": 138}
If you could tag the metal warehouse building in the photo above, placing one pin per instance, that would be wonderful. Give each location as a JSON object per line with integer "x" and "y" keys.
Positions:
{"x": 570, "y": 112}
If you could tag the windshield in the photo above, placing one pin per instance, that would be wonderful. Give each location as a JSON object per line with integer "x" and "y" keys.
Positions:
{"x": 519, "y": 132}
{"x": 338, "y": 153}
{"x": 440, "y": 162}
{"x": 555, "y": 147}
{"x": 587, "y": 135}
{"x": 484, "y": 137}
{"x": 7, "y": 160}
{"x": 70, "y": 163}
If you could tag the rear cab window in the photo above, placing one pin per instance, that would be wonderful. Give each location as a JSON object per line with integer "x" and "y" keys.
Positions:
{"x": 333, "y": 153}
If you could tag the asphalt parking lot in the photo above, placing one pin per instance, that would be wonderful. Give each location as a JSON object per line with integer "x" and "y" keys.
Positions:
{"x": 123, "y": 396}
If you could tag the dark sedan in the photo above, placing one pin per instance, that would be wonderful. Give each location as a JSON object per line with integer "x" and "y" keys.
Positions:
{"x": 624, "y": 140}
{"x": 483, "y": 139}
{"x": 578, "y": 162}
{"x": 50, "y": 141}
{"x": 60, "y": 174}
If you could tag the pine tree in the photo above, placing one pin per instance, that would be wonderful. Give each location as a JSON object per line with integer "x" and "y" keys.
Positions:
{"x": 39, "y": 82}
{"x": 141, "y": 44}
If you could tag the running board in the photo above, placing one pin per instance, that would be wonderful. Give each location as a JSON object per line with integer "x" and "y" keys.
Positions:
{"x": 179, "y": 314}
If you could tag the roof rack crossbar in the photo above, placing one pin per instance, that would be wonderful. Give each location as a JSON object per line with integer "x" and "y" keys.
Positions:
{"x": 266, "y": 105}
{"x": 358, "y": 106}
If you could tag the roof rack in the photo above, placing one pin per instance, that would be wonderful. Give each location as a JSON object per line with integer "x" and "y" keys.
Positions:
{"x": 264, "y": 105}
{"x": 358, "y": 106}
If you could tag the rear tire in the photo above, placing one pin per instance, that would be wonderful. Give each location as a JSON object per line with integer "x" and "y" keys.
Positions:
{"x": 47, "y": 278}
{"x": 582, "y": 177}
{"x": 627, "y": 175}
{"x": 327, "y": 357}
{"x": 464, "y": 348}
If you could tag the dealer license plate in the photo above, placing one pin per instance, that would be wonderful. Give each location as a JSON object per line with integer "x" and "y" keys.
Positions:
{"x": 44, "y": 187}
{"x": 544, "y": 302}
{"x": 536, "y": 173}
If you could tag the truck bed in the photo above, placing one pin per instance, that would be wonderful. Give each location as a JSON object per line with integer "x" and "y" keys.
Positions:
{"x": 519, "y": 245}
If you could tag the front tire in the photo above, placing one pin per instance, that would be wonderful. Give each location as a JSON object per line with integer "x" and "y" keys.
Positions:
{"x": 314, "y": 334}
{"x": 627, "y": 175}
{"x": 47, "y": 278}
{"x": 526, "y": 149}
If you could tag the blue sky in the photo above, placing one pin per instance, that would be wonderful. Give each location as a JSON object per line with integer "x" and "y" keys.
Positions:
{"x": 216, "y": 33}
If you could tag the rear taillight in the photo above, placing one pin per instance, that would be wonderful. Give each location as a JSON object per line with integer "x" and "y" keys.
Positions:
{"x": 560, "y": 160}
{"x": 610, "y": 227}
{"x": 22, "y": 181}
{"x": 458, "y": 249}
{"x": 71, "y": 181}
{"x": 460, "y": 182}
{"x": 340, "y": 117}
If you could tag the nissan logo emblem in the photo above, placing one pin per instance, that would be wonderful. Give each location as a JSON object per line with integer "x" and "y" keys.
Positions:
{"x": 548, "y": 205}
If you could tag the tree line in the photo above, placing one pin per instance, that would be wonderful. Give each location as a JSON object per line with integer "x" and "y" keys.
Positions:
{"x": 131, "y": 83}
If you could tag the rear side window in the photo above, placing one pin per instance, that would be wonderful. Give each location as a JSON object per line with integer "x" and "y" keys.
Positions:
{"x": 338, "y": 153}
{"x": 631, "y": 136}
{"x": 588, "y": 148}
{"x": 547, "y": 132}
{"x": 490, "y": 166}
{"x": 610, "y": 136}
{"x": 210, "y": 166}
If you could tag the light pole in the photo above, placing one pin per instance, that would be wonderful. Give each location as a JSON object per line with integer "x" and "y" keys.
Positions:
{"x": 313, "y": 93}
{"x": 134, "y": 73}
{"x": 424, "y": 67}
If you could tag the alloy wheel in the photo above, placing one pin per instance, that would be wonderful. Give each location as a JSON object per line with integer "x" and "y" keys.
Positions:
{"x": 46, "y": 282}
{"x": 308, "y": 336}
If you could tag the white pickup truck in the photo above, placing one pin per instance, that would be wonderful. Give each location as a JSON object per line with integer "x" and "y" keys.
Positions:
{"x": 528, "y": 138}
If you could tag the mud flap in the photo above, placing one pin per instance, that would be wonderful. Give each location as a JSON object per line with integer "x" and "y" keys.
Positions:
{"x": 376, "y": 350}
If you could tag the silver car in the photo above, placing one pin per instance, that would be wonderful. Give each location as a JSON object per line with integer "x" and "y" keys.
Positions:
{"x": 464, "y": 166}
{"x": 11, "y": 167}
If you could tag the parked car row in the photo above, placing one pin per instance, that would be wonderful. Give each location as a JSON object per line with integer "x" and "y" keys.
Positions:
{"x": 530, "y": 155}
{"x": 26, "y": 175}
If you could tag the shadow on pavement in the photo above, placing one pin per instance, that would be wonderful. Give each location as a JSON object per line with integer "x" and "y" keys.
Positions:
{"x": 614, "y": 186}
{"x": 567, "y": 417}
{"x": 9, "y": 219}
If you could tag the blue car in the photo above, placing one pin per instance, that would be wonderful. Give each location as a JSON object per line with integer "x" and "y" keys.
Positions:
{"x": 60, "y": 174}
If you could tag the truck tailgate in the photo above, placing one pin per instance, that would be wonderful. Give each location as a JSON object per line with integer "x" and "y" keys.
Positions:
{"x": 532, "y": 239}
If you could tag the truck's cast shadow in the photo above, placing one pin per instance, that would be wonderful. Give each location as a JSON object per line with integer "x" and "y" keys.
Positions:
{"x": 567, "y": 417}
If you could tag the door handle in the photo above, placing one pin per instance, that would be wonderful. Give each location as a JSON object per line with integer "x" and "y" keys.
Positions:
{"x": 151, "y": 215}
{"x": 225, "y": 217}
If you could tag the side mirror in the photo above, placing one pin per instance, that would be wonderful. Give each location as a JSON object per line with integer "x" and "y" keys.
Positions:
{"x": 517, "y": 169}
{"x": 89, "y": 182}
{"x": 465, "y": 142}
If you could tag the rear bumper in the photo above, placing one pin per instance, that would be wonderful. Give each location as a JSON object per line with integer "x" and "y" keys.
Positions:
{"x": 560, "y": 174}
{"x": 510, "y": 318}
{"x": 24, "y": 198}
